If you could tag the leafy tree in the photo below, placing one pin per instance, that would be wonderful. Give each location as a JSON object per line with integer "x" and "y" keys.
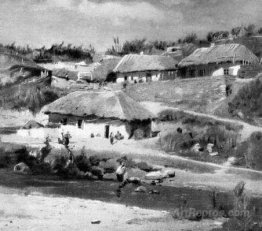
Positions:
{"x": 134, "y": 46}
{"x": 210, "y": 36}
{"x": 236, "y": 31}
{"x": 191, "y": 38}
{"x": 250, "y": 30}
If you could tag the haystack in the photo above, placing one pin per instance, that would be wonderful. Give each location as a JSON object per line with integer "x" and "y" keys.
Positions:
{"x": 32, "y": 124}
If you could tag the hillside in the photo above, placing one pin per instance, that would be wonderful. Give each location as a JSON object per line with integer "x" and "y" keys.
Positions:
{"x": 247, "y": 102}
{"x": 16, "y": 68}
{"x": 23, "y": 84}
{"x": 202, "y": 94}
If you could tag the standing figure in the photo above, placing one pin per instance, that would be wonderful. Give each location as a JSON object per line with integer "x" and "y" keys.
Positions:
{"x": 122, "y": 177}
{"x": 111, "y": 137}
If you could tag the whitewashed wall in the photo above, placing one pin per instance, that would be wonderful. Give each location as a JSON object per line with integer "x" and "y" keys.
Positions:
{"x": 234, "y": 70}
{"x": 218, "y": 72}
{"x": 98, "y": 129}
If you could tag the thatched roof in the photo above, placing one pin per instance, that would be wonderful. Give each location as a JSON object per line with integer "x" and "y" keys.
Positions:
{"x": 106, "y": 104}
{"x": 134, "y": 63}
{"x": 99, "y": 71}
{"x": 107, "y": 66}
{"x": 64, "y": 73}
{"x": 219, "y": 53}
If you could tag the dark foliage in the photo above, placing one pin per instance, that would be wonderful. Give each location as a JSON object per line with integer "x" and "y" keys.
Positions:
{"x": 191, "y": 38}
{"x": 248, "y": 100}
{"x": 56, "y": 51}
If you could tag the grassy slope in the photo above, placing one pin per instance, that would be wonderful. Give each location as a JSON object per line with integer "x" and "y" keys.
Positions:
{"x": 199, "y": 94}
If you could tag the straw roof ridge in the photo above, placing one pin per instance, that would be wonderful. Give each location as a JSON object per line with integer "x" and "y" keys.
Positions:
{"x": 219, "y": 53}
{"x": 106, "y": 104}
{"x": 63, "y": 73}
{"x": 135, "y": 62}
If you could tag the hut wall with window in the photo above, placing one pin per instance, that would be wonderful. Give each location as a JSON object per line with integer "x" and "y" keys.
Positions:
{"x": 92, "y": 126}
{"x": 146, "y": 76}
{"x": 145, "y": 68}
{"x": 211, "y": 69}
{"x": 224, "y": 59}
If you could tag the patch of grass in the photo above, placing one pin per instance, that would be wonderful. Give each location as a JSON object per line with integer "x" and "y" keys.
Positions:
{"x": 245, "y": 214}
{"x": 198, "y": 94}
{"x": 224, "y": 141}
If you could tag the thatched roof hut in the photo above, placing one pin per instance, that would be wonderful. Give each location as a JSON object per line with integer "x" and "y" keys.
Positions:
{"x": 32, "y": 124}
{"x": 219, "y": 54}
{"x": 106, "y": 104}
{"x": 136, "y": 63}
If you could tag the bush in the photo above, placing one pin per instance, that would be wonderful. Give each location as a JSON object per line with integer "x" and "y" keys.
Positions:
{"x": 248, "y": 100}
{"x": 175, "y": 142}
{"x": 253, "y": 155}
{"x": 5, "y": 159}
{"x": 83, "y": 163}
{"x": 224, "y": 140}
{"x": 243, "y": 216}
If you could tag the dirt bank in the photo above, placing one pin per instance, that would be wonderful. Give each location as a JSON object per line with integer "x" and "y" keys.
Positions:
{"x": 39, "y": 212}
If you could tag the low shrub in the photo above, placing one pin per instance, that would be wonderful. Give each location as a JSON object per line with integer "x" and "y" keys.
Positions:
{"x": 248, "y": 100}
{"x": 253, "y": 153}
{"x": 243, "y": 217}
{"x": 83, "y": 163}
{"x": 224, "y": 140}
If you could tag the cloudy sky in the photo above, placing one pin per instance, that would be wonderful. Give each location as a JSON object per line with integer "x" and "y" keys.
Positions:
{"x": 43, "y": 22}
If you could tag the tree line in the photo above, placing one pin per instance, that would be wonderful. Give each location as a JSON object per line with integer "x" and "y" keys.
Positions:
{"x": 68, "y": 52}
{"x": 61, "y": 51}
{"x": 142, "y": 45}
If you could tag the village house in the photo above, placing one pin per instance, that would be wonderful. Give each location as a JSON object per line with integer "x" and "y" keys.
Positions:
{"x": 98, "y": 113}
{"x": 217, "y": 60}
{"x": 66, "y": 73}
{"x": 145, "y": 68}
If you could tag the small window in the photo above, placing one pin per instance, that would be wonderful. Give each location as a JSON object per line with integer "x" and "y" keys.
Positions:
{"x": 226, "y": 71}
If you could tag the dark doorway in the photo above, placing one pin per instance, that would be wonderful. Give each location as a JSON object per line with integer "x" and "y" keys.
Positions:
{"x": 79, "y": 123}
{"x": 148, "y": 77}
{"x": 192, "y": 73}
{"x": 107, "y": 131}
{"x": 111, "y": 77}
{"x": 64, "y": 121}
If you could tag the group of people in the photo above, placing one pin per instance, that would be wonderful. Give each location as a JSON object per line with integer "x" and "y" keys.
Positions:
{"x": 117, "y": 137}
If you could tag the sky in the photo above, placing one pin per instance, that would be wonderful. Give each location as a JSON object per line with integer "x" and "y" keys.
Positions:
{"x": 96, "y": 22}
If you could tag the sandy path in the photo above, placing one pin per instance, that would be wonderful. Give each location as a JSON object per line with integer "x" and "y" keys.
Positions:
{"x": 38, "y": 212}
{"x": 248, "y": 129}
